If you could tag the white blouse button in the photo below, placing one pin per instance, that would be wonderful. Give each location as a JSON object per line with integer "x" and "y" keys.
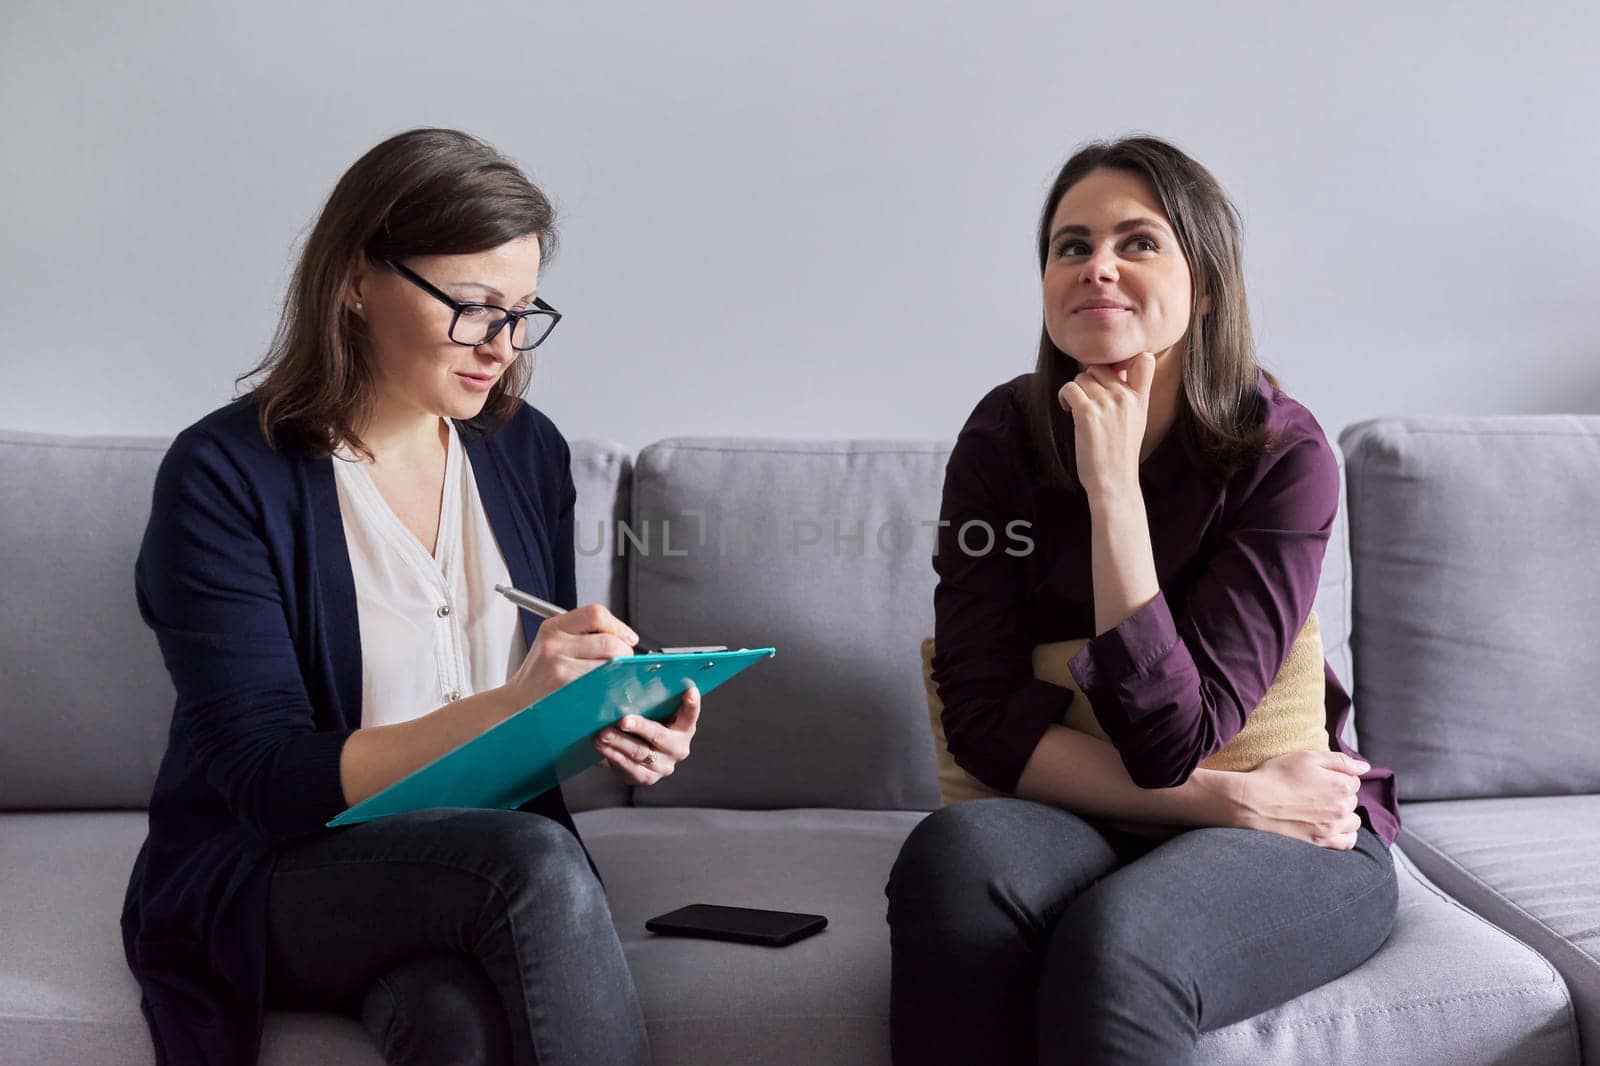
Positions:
{"x": 454, "y": 695}
{"x": 443, "y": 612}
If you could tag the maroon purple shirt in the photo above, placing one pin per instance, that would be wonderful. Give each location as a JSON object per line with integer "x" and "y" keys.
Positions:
{"x": 1237, "y": 561}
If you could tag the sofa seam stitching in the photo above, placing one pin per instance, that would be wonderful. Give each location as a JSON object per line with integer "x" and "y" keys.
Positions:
{"x": 1426, "y": 882}
{"x": 1497, "y": 894}
{"x": 1359, "y": 1012}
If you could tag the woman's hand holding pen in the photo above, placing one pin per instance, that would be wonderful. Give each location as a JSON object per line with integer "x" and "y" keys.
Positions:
{"x": 568, "y": 646}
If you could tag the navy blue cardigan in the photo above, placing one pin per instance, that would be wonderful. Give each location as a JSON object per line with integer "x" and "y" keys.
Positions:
{"x": 245, "y": 578}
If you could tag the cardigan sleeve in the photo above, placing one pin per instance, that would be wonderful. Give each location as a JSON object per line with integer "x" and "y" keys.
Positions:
{"x": 566, "y": 582}
{"x": 1171, "y": 686}
{"x": 206, "y": 585}
{"x": 995, "y": 712}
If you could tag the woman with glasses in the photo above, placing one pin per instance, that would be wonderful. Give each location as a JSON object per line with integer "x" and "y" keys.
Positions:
{"x": 1114, "y": 897}
{"x": 319, "y": 570}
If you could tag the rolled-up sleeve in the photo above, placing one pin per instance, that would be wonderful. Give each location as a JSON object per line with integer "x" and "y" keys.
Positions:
{"x": 206, "y": 586}
{"x": 995, "y": 712}
{"x": 1170, "y": 688}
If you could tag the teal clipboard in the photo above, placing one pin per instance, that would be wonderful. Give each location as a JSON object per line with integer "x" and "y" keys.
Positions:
{"x": 547, "y": 742}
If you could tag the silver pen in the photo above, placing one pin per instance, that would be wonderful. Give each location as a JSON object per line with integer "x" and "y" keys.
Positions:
{"x": 546, "y": 609}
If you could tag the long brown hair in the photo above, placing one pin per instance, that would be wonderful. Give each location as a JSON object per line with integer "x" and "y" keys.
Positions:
{"x": 423, "y": 192}
{"x": 1220, "y": 414}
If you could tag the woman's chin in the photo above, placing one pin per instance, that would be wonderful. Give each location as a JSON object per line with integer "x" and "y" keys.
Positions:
{"x": 1102, "y": 357}
{"x": 463, "y": 409}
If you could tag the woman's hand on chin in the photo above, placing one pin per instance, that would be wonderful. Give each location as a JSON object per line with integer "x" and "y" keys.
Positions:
{"x": 1110, "y": 405}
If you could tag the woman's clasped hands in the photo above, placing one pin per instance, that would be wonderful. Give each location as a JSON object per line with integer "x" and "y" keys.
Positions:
{"x": 1306, "y": 795}
{"x": 570, "y": 645}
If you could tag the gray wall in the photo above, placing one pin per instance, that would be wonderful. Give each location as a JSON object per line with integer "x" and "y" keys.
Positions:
{"x": 807, "y": 219}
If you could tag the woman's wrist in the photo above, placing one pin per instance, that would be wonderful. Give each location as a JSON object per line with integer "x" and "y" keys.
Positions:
{"x": 507, "y": 700}
{"x": 1104, "y": 499}
{"x": 1216, "y": 798}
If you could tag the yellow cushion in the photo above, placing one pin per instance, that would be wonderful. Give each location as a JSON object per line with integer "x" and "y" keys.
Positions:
{"x": 1291, "y": 716}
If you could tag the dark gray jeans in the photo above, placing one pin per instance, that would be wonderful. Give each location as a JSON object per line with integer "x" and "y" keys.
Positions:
{"x": 458, "y": 936}
{"x": 1024, "y": 933}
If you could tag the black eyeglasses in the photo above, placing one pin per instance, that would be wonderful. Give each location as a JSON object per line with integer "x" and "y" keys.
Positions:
{"x": 474, "y": 323}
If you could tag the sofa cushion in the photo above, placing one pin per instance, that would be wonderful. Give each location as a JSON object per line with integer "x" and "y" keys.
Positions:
{"x": 1333, "y": 606}
{"x": 814, "y": 548}
{"x": 1530, "y": 865}
{"x": 66, "y": 994}
{"x": 602, "y": 473}
{"x": 1447, "y": 987}
{"x": 823, "y": 999}
{"x": 822, "y": 549}
{"x": 1472, "y": 543}
{"x": 80, "y": 667}
{"x": 86, "y": 700}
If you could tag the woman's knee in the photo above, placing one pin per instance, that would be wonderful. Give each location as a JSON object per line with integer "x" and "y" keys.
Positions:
{"x": 1385, "y": 899}
{"x": 531, "y": 858}
{"x": 435, "y": 1009}
{"x": 944, "y": 851}
{"x": 989, "y": 866}
{"x": 1104, "y": 931}
{"x": 528, "y": 863}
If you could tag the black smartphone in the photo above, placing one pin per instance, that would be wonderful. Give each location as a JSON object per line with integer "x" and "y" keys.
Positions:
{"x": 745, "y": 925}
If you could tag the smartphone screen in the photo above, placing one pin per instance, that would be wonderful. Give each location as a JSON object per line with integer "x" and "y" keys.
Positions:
{"x": 745, "y": 925}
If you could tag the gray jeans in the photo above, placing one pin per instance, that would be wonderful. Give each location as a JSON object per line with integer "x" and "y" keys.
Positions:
{"x": 1024, "y": 933}
{"x": 458, "y": 936}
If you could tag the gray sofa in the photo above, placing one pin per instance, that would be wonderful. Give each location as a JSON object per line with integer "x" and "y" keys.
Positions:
{"x": 1472, "y": 553}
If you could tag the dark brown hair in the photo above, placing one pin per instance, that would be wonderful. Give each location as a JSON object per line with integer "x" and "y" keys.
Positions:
{"x": 422, "y": 192}
{"x": 1220, "y": 414}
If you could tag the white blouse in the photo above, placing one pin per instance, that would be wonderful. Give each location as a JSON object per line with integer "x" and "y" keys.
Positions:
{"x": 433, "y": 629}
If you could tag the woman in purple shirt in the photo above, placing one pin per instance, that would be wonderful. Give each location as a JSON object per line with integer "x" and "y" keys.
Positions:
{"x": 1178, "y": 506}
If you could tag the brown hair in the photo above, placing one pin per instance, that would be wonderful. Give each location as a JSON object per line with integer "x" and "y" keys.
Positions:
{"x": 423, "y": 192}
{"x": 1220, "y": 414}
